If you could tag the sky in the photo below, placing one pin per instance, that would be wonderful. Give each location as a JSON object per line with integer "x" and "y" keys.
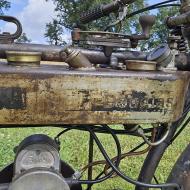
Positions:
{"x": 34, "y": 14}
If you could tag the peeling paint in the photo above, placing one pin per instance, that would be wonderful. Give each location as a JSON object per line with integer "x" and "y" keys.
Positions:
{"x": 53, "y": 95}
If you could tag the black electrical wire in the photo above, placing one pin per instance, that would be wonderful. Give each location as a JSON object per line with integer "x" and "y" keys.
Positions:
{"x": 90, "y": 128}
{"x": 151, "y": 7}
{"x": 97, "y": 180}
{"x": 90, "y": 186}
{"x": 133, "y": 150}
{"x": 128, "y": 179}
{"x": 61, "y": 133}
{"x": 168, "y": 5}
{"x": 106, "y": 129}
{"x": 103, "y": 130}
{"x": 156, "y": 180}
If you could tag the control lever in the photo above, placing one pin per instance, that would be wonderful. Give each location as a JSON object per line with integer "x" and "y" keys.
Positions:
{"x": 146, "y": 22}
{"x": 102, "y": 10}
{"x": 114, "y": 40}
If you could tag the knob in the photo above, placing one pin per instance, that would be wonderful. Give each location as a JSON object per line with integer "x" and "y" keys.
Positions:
{"x": 146, "y": 22}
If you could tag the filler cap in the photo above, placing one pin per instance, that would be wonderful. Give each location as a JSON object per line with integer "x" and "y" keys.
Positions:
{"x": 21, "y": 58}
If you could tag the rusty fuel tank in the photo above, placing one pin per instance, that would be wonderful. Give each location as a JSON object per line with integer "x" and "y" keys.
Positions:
{"x": 47, "y": 95}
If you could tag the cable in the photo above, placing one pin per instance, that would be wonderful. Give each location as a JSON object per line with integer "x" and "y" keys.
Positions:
{"x": 141, "y": 133}
{"x": 56, "y": 139}
{"x": 61, "y": 133}
{"x": 116, "y": 163}
{"x": 97, "y": 180}
{"x": 123, "y": 156}
{"x": 102, "y": 162}
{"x": 168, "y": 5}
{"x": 133, "y": 150}
{"x": 98, "y": 176}
{"x": 107, "y": 166}
{"x": 119, "y": 173}
{"x": 133, "y": 153}
{"x": 156, "y": 180}
{"x": 99, "y": 129}
{"x": 155, "y": 6}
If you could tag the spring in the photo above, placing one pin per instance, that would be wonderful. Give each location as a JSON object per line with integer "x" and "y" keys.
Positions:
{"x": 176, "y": 31}
{"x": 182, "y": 44}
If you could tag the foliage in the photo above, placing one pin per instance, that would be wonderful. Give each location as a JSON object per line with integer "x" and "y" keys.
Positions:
{"x": 69, "y": 11}
{"x": 54, "y": 32}
{"x": 23, "y": 39}
{"x": 4, "y": 5}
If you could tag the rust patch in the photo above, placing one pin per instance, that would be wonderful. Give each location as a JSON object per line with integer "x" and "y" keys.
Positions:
{"x": 12, "y": 98}
{"x": 51, "y": 95}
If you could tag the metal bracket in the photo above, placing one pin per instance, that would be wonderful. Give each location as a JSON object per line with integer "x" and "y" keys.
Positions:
{"x": 112, "y": 40}
{"x": 6, "y": 37}
{"x": 99, "y": 38}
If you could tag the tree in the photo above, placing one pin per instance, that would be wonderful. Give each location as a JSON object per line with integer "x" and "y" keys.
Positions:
{"x": 69, "y": 11}
{"x": 54, "y": 33}
{"x": 23, "y": 39}
{"x": 4, "y": 5}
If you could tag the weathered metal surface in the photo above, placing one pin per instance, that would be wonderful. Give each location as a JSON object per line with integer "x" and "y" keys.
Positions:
{"x": 23, "y": 58}
{"x": 54, "y": 95}
{"x": 77, "y": 60}
{"x": 102, "y": 38}
{"x": 140, "y": 65}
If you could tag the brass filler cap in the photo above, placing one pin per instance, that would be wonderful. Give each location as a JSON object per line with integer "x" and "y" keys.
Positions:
{"x": 21, "y": 58}
{"x": 137, "y": 65}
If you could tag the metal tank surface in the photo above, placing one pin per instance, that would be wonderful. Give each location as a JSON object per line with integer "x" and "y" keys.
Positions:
{"x": 56, "y": 95}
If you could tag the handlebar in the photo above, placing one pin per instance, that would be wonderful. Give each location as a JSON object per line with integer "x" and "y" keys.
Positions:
{"x": 102, "y": 10}
{"x": 182, "y": 19}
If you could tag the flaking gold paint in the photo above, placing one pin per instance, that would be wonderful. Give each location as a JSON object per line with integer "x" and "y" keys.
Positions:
{"x": 65, "y": 98}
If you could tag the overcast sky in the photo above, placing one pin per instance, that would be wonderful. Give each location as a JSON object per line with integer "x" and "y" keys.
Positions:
{"x": 34, "y": 14}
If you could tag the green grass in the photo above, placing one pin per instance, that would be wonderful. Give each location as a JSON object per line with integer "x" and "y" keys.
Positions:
{"x": 74, "y": 151}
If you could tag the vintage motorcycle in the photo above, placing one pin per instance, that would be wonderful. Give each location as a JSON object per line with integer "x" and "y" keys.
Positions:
{"x": 100, "y": 82}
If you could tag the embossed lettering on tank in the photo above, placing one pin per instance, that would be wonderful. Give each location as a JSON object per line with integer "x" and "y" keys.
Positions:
{"x": 125, "y": 101}
{"x": 142, "y": 102}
